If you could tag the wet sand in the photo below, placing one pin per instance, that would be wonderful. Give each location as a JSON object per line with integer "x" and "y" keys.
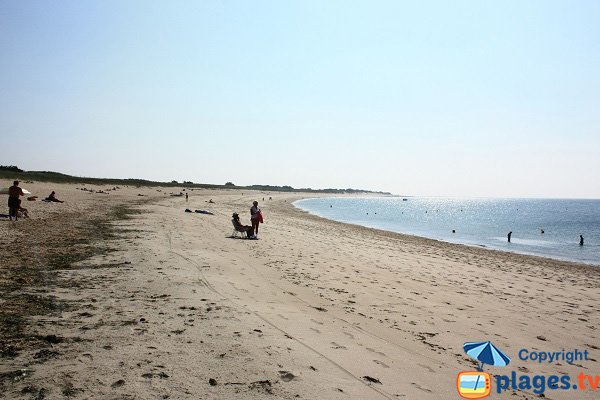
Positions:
{"x": 165, "y": 304}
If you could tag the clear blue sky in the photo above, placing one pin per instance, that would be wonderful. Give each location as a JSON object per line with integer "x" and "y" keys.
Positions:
{"x": 458, "y": 98}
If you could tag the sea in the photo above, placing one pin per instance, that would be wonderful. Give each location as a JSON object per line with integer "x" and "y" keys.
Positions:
{"x": 542, "y": 227}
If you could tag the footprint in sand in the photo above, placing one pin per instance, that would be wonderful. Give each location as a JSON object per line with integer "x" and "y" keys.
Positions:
{"x": 286, "y": 376}
{"x": 384, "y": 365}
{"x": 338, "y": 346}
{"x": 421, "y": 387}
{"x": 376, "y": 352}
{"x": 427, "y": 367}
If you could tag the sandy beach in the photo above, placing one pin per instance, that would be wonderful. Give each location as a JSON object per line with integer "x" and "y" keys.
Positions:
{"x": 130, "y": 297}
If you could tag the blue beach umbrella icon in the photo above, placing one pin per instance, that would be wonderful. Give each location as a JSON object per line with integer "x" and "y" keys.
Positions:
{"x": 486, "y": 353}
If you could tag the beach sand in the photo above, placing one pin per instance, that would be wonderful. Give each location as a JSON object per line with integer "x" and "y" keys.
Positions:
{"x": 132, "y": 298}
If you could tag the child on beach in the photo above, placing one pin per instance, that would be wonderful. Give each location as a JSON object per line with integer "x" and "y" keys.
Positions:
{"x": 23, "y": 213}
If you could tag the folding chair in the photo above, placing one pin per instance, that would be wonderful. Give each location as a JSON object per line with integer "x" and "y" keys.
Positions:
{"x": 236, "y": 232}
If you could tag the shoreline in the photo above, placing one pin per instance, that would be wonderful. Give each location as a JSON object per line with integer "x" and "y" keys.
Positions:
{"x": 312, "y": 309}
{"x": 461, "y": 247}
{"x": 466, "y": 245}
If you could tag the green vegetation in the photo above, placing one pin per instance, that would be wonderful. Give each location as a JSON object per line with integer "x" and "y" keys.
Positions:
{"x": 11, "y": 173}
{"x": 30, "y": 270}
{"x": 13, "y": 168}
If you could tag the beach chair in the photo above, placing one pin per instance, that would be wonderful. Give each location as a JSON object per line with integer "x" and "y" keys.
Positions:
{"x": 238, "y": 230}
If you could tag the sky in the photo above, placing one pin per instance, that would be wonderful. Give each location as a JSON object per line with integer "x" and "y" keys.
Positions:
{"x": 431, "y": 98}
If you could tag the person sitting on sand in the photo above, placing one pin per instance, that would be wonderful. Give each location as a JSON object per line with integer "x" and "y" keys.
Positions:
{"x": 242, "y": 228}
{"x": 23, "y": 213}
{"x": 52, "y": 198}
{"x": 13, "y": 200}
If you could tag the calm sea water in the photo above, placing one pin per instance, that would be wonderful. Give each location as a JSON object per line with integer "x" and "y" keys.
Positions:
{"x": 479, "y": 222}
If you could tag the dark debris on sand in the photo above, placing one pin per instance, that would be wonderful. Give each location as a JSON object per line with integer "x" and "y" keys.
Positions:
{"x": 33, "y": 253}
{"x": 264, "y": 385}
{"x": 371, "y": 379}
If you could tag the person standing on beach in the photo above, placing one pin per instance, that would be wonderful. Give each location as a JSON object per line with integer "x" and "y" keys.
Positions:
{"x": 581, "y": 240}
{"x": 186, "y": 197}
{"x": 13, "y": 200}
{"x": 255, "y": 217}
{"x": 509, "y": 235}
